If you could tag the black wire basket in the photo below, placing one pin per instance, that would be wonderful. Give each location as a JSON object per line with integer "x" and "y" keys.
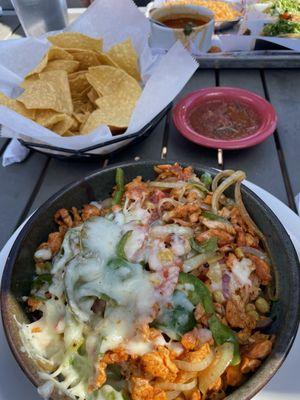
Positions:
{"x": 87, "y": 152}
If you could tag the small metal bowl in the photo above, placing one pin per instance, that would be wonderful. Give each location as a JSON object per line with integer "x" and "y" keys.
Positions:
{"x": 226, "y": 25}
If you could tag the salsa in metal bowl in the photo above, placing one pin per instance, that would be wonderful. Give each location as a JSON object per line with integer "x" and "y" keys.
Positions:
{"x": 182, "y": 21}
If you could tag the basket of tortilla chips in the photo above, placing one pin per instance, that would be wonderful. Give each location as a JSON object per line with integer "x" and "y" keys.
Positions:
{"x": 84, "y": 96}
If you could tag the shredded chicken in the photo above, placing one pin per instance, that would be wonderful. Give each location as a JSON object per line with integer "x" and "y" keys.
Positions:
{"x": 159, "y": 364}
{"x": 222, "y": 236}
{"x": 237, "y": 316}
{"x": 90, "y": 211}
{"x": 142, "y": 390}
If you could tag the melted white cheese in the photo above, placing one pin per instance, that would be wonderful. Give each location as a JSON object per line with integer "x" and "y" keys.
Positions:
{"x": 91, "y": 274}
{"x": 101, "y": 236}
{"x": 136, "y": 213}
{"x": 134, "y": 245}
{"x": 41, "y": 339}
{"x": 138, "y": 346}
{"x": 241, "y": 271}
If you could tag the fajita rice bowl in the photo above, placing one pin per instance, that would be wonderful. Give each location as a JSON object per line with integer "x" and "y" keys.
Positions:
{"x": 159, "y": 292}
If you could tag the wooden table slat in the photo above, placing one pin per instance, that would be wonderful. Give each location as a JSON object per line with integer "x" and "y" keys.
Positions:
{"x": 261, "y": 162}
{"x": 60, "y": 173}
{"x": 18, "y": 183}
{"x": 149, "y": 148}
{"x": 284, "y": 92}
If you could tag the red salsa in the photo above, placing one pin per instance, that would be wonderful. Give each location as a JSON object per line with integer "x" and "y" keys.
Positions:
{"x": 181, "y": 21}
{"x": 224, "y": 120}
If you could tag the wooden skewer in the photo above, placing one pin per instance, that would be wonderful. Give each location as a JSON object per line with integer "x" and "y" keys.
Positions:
{"x": 220, "y": 158}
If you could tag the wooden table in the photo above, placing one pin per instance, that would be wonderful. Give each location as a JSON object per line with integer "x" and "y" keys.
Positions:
{"x": 273, "y": 165}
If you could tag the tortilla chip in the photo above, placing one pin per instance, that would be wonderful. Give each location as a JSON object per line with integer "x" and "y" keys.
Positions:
{"x": 92, "y": 95}
{"x": 82, "y": 117}
{"x": 105, "y": 59}
{"x": 63, "y": 126}
{"x": 125, "y": 56}
{"x": 63, "y": 65}
{"x": 16, "y": 106}
{"x": 75, "y": 126}
{"x": 86, "y": 59}
{"x": 52, "y": 92}
{"x": 114, "y": 111}
{"x": 54, "y": 53}
{"x": 59, "y": 79}
{"x": 78, "y": 83}
{"x": 74, "y": 75}
{"x": 69, "y": 134}
{"x": 107, "y": 80}
{"x": 83, "y": 106}
{"x": 48, "y": 118}
{"x": 28, "y": 81}
{"x": 82, "y": 96}
{"x": 76, "y": 40}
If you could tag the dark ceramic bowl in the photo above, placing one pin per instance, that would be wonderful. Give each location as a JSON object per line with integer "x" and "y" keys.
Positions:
{"x": 19, "y": 268}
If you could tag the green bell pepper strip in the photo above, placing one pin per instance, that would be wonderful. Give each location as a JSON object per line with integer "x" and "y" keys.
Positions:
{"x": 200, "y": 187}
{"x": 178, "y": 320}
{"x": 201, "y": 294}
{"x": 206, "y": 179}
{"x": 221, "y": 334}
{"x": 122, "y": 243}
{"x": 209, "y": 246}
{"x": 40, "y": 280}
{"x": 115, "y": 377}
{"x": 120, "y": 187}
{"x": 214, "y": 217}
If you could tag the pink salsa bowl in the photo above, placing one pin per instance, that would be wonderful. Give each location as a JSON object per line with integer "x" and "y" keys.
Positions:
{"x": 265, "y": 111}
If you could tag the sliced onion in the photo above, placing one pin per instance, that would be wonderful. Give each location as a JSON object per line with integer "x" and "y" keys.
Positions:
{"x": 219, "y": 176}
{"x": 237, "y": 176}
{"x": 208, "y": 377}
{"x": 195, "y": 262}
{"x": 165, "y": 230}
{"x": 168, "y": 200}
{"x": 195, "y": 366}
{"x": 180, "y": 387}
{"x": 244, "y": 213}
{"x": 172, "y": 395}
{"x": 168, "y": 185}
{"x": 258, "y": 253}
{"x": 202, "y": 190}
